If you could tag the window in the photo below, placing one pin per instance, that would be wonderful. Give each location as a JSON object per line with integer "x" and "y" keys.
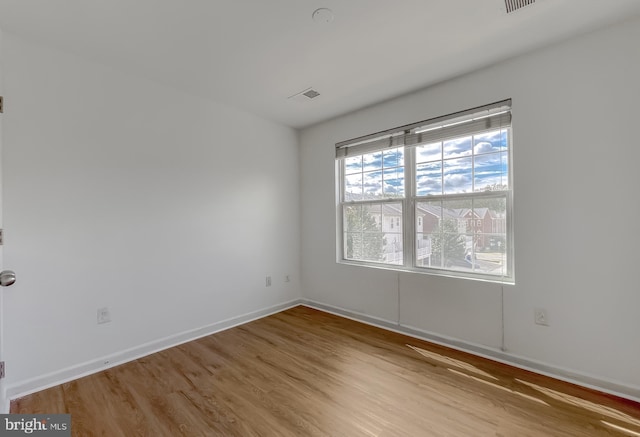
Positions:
{"x": 433, "y": 196}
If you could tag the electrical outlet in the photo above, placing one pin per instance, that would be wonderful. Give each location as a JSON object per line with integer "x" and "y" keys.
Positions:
{"x": 268, "y": 281}
{"x": 103, "y": 315}
{"x": 540, "y": 317}
{"x": 287, "y": 278}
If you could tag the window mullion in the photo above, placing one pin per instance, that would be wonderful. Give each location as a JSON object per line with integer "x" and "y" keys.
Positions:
{"x": 408, "y": 215}
{"x": 340, "y": 253}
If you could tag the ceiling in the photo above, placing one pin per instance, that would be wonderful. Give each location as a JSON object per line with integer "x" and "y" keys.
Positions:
{"x": 253, "y": 54}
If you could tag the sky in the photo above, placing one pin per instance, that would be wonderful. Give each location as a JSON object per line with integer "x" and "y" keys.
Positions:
{"x": 461, "y": 165}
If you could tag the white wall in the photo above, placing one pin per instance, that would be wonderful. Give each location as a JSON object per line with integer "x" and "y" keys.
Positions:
{"x": 3, "y": 400}
{"x": 119, "y": 192}
{"x": 575, "y": 110}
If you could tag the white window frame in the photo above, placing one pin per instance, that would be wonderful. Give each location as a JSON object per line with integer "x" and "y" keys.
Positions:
{"x": 438, "y": 129}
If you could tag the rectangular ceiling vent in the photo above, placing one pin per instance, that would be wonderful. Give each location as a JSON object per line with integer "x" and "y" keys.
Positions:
{"x": 305, "y": 95}
{"x": 514, "y": 5}
{"x": 312, "y": 94}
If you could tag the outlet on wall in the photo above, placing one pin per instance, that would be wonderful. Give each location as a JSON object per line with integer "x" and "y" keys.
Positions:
{"x": 268, "y": 281}
{"x": 540, "y": 317}
{"x": 103, "y": 315}
{"x": 287, "y": 278}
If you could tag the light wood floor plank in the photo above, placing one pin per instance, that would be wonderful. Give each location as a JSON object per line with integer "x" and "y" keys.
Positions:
{"x": 303, "y": 372}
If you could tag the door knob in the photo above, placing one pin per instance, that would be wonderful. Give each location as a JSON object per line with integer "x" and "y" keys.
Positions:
{"x": 7, "y": 277}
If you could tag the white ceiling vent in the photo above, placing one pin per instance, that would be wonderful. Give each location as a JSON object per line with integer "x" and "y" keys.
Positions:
{"x": 514, "y": 5}
{"x": 305, "y": 95}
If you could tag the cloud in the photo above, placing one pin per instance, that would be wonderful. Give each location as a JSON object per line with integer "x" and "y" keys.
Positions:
{"x": 372, "y": 161}
{"x": 429, "y": 152}
{"x": 388, "y": 189}
{"x": 428, "y": 185}
{"x": 483, "y": 147}
{"x": 354, "y": 179}
{"x": 497, "y": 139}
{"x": 457, "y": 147}
{"x": 353, "y": 164}
{"x": 456, "y": 180}
{"x": 491, "y": 169}
{"x": 372, "y": 178}
{"x": 457, "y": 166}
{"x": 394, "y": 182}
{"x": 492, "y": 159}
{"x": 393, "y": 158}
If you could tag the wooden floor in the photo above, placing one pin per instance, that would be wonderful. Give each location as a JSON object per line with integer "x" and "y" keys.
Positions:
{"x": 305, "y": 372}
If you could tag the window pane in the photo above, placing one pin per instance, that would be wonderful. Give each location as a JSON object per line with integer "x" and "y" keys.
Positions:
{"x": 393, "y": 158}
{"x": 456, "y": 235}
{"x": 393, "y": 182}
{"x": 449, "y": 240}
{"x": 490, "y": 142}
{"x": 423, "y": 250}
{"x": 371, "y": 247}
{"x": 447, "y": 244}
{"x": 495, "y": 205}
{"x": 372, "y": 161}
{"x": 392, "y": 217}
{"x": 372, "y": 185}
{"x": 490, "y": 235}
{"x": 468, "y": 234}
{"x": 460, "y": 213}
{"x": 353, "y": 187}
{"x": 491, "y": 255}
{"x": 353, "y": 245}
{"x": 352, "y": 218}
{"x": 375, "y": 176}
{"x": 429, "y": 152}
{"x": 491, "y": 172}
{"x": 429, "y": 179}
{"x": 373, "y": 232}
{"x": 430, "y": 216}
{"x": 353, "y": 165}
{"x": 457, "y": 147}
{"x": 457, "y": 176}
{"x": 373, "y": 214}
{"x": 456, "y": 255}
{"x": 392, "y": 230}
{"x": 393, "y": 251}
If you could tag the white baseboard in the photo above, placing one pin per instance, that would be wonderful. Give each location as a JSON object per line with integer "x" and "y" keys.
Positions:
{"x": 604, "y": 385}
{"x": 33, "y": 385}
{"x": 23, "y": 388}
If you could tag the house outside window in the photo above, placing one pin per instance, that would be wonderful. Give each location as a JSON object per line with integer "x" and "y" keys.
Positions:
{"x": 444, "y": 188}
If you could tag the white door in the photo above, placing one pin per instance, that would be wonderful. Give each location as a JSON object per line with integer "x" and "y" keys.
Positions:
{"x": 3, "y": 408}
{"x": 7, "y": 278}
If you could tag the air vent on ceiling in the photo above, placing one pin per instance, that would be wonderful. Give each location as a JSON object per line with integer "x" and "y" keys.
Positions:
{"x": 305, "y": 95}
{"x": 514, "y": 5}
{"x": 312, "y": 94}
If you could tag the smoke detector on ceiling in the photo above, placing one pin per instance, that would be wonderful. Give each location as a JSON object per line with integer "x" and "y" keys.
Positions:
{"x": 322, "y": 15}
{"x": 305, "y": 95}
{"x": 514, "y": 5}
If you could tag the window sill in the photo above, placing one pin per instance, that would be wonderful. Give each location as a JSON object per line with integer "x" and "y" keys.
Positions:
{"x": 431, "y": 272}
